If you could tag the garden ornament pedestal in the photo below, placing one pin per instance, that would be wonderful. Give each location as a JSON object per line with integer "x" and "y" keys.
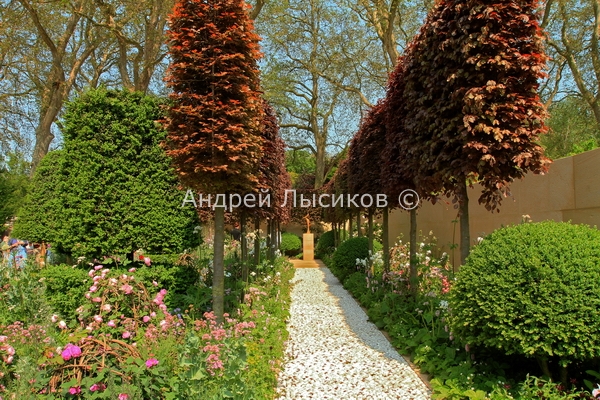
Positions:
{"x": 308, "y": 247}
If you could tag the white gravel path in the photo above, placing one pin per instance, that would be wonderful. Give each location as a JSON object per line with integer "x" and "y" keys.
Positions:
{"x": 334, "y": 352}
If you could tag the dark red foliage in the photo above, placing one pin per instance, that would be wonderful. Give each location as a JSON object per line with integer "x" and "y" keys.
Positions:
{"x": 468, "y": 97}
{"x": 273, "y": 176}
{"x": 396, "y": 171}
{"x": 214, "y": 122}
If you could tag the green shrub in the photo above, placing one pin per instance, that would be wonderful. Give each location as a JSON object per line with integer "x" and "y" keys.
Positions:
{"x": 532, "y": 289}
{"x": 111, "y": 189}
{"x": 344, "y": 257}
{"x": 65, "y": 289}
{"x": 326, "y": 244}
{"x": 291, "y": 244}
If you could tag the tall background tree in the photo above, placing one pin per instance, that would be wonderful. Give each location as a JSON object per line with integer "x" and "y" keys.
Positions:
{"x": 214, "y": 121}
{"x": 472, "y": 79}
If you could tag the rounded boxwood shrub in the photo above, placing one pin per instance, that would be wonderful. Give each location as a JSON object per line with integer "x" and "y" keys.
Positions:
{"x": 326, "y": 244}
{"x": 291, "y": 244}
{"x": 344, "y": 257}
{"x": 533, "y": 290}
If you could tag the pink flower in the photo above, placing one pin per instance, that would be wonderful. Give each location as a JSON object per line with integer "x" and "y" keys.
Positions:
{"x": 70, "y": 351}
{"x": 127, "y": 289}
{"x": 123, "y": 396}
{"x": 596, "y": 392}
{"x": 155, "y": 283}
{"x": 93, "y": 288}
{"x": 98, "y": 267}
{"x": 111, "y": 323}
{"x": 146, "y": 318}
{"x": 91, "y": 273}
{"x": 147, "y": 261}
{"x": 97, "y": 386}
{"x": 126, "y": 335}
{"x": 97, "y": 300}
{"x": 97, "y": 318}
{"x": 54, "y": 318}
{"x": 106, "y": 307}
{"x": 75, "y": 390}
{"x": 62, "y": 325}
{"x": 131, "y": 269}
{"x": 151, "y": 362}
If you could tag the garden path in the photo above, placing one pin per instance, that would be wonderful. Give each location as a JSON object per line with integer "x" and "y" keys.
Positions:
{"x": 334, "y": 352}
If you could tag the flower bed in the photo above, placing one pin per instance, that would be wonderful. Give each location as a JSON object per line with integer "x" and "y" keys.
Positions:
{"x": 126, "y": 343}
{"x": 417, "y": 322}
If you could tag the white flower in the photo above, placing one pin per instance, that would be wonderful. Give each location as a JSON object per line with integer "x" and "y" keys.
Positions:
{"x": 443, "y": 304}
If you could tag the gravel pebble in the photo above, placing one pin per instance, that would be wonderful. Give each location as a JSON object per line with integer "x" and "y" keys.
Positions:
{"x": 334, "y": 352}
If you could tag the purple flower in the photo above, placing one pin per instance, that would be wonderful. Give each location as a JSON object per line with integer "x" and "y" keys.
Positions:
{"x": 151, "y": 362}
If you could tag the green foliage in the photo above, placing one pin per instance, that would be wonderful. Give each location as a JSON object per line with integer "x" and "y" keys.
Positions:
{"x": 532, "y": 289}
{"x": 325, "y": 244}
{"x": 14, "y": 180}
{"x": 65, "y": 289}
{"x": 290, "y": 244}
{"x": 21, "y": 295}
{"x": 573, "y": 128}
{"x": 111, "y": 190}
{"x": 345, "y": 256}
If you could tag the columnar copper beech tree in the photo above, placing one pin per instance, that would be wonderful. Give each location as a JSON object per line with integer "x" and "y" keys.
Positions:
{"x": 474, "y": 114}
{"x": 214, "y": 121}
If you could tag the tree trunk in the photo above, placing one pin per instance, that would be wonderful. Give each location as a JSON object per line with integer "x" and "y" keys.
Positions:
{"x": 370, "y": 239}
{"x": 218, "y": 289}
{"x": 244, "y": 246}
{"x": 43, "y": 132}
{"x": 257, "y": 242}
{"x": 358, "y": 228}
{"x": 465, "y": 235}
{"x": 386, "y": 241}
{"x": 413, "y": 251}
{"x": 269, "y": 238}
{"x": 350, "y": 227}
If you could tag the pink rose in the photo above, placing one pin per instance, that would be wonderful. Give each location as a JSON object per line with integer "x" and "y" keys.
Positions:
{"x": 70, "y": 351}
{"x": 123, "y": 396}
{"x": 147, "y": 261}
{"x": 111, "y": 323}
{"x": 97, "y": 300}
{"x": 75, "y": 390}
{"x": 146, "y": 318}
{"x": 126, "y": 335}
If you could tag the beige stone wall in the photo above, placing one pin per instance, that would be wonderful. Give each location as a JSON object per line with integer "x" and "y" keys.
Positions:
{"x": 570, "y": 191}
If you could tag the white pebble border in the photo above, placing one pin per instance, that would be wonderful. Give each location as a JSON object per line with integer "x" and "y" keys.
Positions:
{"x": 334, "y": 352}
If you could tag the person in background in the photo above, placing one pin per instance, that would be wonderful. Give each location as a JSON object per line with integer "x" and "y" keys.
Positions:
{"x": 18, "y": 253}
{"x": 5, "y": 248}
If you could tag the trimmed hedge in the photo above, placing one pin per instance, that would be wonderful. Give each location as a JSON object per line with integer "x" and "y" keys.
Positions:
{"x": 532, "y": 289}
{"x": 326, "y": 244}
{"x": 111, "y": 189}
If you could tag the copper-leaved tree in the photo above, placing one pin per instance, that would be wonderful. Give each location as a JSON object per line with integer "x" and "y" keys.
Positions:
{"x": 214, "y": 121}
{"x": 474, "y": 114}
